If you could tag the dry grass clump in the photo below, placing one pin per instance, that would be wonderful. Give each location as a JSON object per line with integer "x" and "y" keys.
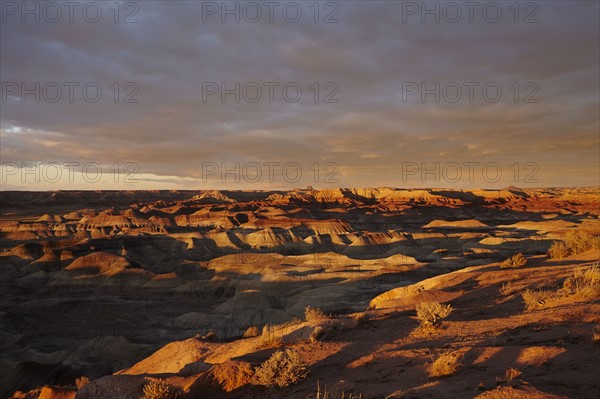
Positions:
{"x": 445, "y": 365}
{"x": 328, "y": 395}
{"x": 575, "y": 242}
{"x": 314, "y": 314}
{"x": 511, "y": 373}
{"x": 582, "y": 286}
{"x": 507, "y": 288}
{"x": 158, "y": 389}
{"x": 327, "y": 331}
{"x": 317, "y": 333}
{"x": 210, "y": 336}
{"x": 251, "y": 332}
{"x": 535, "y": 298}
{"x": 282, "y": 369}
{"x": 596, "y": 334}
{"x": 360, "y": 318}
{"x": 515, "y": 261}
{"x": 81, "y": 382}
{"x": 270, "y": 337}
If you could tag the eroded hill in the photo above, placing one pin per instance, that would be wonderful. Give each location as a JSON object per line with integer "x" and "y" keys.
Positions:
{"x": 94, "y": 282}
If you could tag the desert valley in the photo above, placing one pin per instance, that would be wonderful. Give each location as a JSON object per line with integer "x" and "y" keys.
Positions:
{"x": 333, "y": 293}
{"x": 320, "y": 199}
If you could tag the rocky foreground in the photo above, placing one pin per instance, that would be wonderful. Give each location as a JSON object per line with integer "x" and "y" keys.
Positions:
{"x": 96, "y": 284}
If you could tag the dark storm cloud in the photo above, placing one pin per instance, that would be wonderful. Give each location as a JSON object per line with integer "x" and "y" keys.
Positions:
{"x": 368, "y": 54}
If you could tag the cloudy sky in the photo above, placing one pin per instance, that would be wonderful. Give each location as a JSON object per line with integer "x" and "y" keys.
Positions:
{"x": 178, "y": 94}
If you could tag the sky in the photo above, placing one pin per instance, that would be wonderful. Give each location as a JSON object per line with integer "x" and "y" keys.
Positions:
{"x": 277, "y": 95}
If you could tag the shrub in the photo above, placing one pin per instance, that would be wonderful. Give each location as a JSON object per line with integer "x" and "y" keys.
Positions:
{"x": 282, "y": 369}
{"x": 326, "y": 331}
{"x": 515, "y": 261}
{"x": 535, "y": 298}
{"x": 210, "y": 336}
{"x": 445, "y": 365}
{"x": 317, "y": 333}
{"x": 158, "y": 389}
{"x": 511, "y": 373}
{"x": 559, "y": 250}
{"x": 81, "y": 382}
{"x": 430, "y": 313}
{"x": 596, "y": 334}
{"x": 269, "y": 337}
{"x": 507, "y": 288}
{"x": 314, "y": 314}
{"x": 251, "y": 331}
{"x": 360, "y": 318}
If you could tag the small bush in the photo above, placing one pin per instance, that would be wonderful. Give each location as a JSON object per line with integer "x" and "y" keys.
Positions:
{"x": 596, "y": 334}
{"x": 360, "y": 318}
{"x": 317, "y": 333}
{"x": 327, "y": 331}
{"x": 282, "y": 369}
{"x": 535, "y": 298}
{"x": 558, "y": 250}
{"x": 511, "y": 373}
{"x": 507, "y": 288}
{"x": 270, "y": 338}
{"x": 210, "y": 336}
{"x": 314, "y": 314}
{"x": 158, "y": 389}
{"x": 445, "y": 365}
{"x": 251, "y": 332}
{"x": 431, "y": 313}
{"x": 81, "y": 382}
{"x": 515, "y": 261}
